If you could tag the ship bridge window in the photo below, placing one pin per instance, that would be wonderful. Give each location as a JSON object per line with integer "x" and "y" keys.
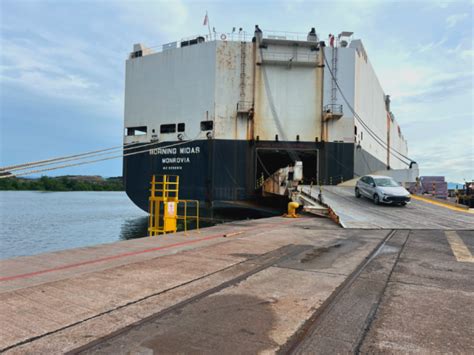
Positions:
{"x": 168, "y": 128}
{"x": 181, "y": 127}
{"x": 207, "y": 125}
{"x": 136, "y": 131}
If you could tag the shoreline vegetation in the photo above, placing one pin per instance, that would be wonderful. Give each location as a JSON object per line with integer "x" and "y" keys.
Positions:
{"x": 63, "y": 183}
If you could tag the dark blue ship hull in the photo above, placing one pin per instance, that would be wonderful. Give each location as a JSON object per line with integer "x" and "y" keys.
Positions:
{"x": 225, "y": 173}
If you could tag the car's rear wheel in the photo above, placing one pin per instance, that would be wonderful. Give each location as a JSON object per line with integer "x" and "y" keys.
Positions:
{"x": 403, "y": 204}
{"x": 376, "y": 199}
{"x": 357, "y": 192}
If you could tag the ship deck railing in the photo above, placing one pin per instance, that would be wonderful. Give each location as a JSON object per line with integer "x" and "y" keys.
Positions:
{"x": 289, "y": 57}
{"x": 332, "y": 111}
{"x": 333, "y": 108}
{"x": 235, "y": 36}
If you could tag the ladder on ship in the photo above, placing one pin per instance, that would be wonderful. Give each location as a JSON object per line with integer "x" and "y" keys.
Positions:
{"x": 243, "y": 58}
{"x": 333, "y": 81}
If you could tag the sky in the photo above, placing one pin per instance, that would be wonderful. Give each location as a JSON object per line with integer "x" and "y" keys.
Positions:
{"x": 62, "y": 68}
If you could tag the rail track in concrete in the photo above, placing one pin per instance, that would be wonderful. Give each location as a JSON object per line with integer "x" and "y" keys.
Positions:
{"x": 301, "y": 342}
{"x": 349, "y": 319}
{"x": 305, "y": 340}
{"x": 261, "y": 263}
{"x": 310, "y": 338}
{"x": 63, "y": 301}
{"x": 277, "y": 285}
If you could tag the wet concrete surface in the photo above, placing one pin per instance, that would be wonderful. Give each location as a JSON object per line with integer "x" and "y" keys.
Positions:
{"x": 275, "y": 285}
{"x": 411, "y": 295}
{"x": 79, "y": 302}
{"x": 340, "y": 327}
{"x": 428, "y": 306}
{"x": 414, "y": 296}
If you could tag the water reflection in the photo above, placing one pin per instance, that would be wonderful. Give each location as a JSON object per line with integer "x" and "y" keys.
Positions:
{"x": 133, "y": 228}
{"x": 34, "y": 222}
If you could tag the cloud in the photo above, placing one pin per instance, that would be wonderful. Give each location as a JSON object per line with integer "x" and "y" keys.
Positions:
{"x": 453, "y": 20}
{"x": 59, "y": 67}
{"x": 411, "y": 82}
{"x": 57, "y": 61}
{"x": 446, "y": 147}
{"x": 432, "y": 45}
{"x": 439, "y": 87}
{"x": 466, "y": 54}
{"x": 443, "y": 4}
{"x": 161, "y": 18}
{"x": 422, "y": 82}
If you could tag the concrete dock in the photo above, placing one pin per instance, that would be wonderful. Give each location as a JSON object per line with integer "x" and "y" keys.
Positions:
{"x": 301, "y": 285}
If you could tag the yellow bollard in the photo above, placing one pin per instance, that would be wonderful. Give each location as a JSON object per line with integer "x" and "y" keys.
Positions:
{"x": 292, "y": 206}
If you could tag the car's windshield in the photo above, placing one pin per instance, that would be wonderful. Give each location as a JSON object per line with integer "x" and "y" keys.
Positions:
{"x": 385, "y": 182}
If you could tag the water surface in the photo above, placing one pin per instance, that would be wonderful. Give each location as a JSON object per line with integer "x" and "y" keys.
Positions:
{"x": 34, "y": 222}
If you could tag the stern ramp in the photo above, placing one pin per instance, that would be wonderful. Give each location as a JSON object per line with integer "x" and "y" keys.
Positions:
{"x": 362, "y": 213}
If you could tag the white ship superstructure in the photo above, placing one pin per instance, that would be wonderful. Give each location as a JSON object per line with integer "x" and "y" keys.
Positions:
{"x": 348, "y": 62}
{"x": 244, "y": 107}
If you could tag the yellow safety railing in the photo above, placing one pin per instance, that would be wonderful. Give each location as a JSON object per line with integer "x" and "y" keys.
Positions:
{"x": 186, "y": 216}
{"x": 164, "y": 204}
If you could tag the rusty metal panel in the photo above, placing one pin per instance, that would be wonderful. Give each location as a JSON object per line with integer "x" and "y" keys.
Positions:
{"x": 233, "y": 87}
{"x": 287, "y": 96}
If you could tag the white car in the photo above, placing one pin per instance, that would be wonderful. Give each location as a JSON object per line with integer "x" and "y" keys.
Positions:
{"x": 382, "y": 189}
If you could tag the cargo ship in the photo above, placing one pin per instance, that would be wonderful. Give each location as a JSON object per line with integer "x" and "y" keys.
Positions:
{"x": 224, "y": 111}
